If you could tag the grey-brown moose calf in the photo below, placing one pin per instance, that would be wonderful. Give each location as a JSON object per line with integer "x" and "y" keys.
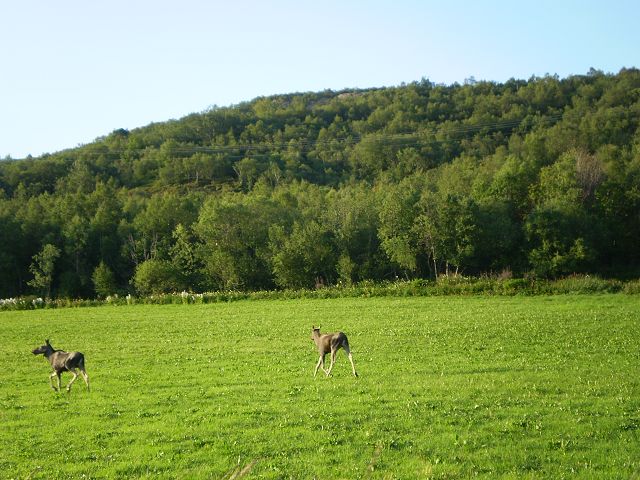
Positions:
{"x": 331, "y": 343}
{"x": 63, "y": 362}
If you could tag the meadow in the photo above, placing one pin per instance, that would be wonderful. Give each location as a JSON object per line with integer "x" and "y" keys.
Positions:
{"x": 449, "y": 387}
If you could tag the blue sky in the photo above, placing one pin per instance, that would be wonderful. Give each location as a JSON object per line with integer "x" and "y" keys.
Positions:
{"x": 74, "y": 70}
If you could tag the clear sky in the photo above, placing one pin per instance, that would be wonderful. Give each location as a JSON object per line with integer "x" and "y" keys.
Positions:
{"x": 73, "y": 70}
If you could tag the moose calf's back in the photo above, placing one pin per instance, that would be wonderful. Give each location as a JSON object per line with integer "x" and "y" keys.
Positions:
{"x": 66, "y": 360}
{"x": 328, "y": 341}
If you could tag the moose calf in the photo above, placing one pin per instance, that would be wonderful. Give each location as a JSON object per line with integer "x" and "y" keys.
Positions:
{"x": 63, "y": 361}
{"x": 330, "y": 343}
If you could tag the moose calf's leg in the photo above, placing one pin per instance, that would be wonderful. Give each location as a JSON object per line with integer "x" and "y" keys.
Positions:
{"x": 75, "y": 375}
{"x": 333, "y": 360}
{"x": 348, "y": 352}
{"x": 51, "y": 381}
{"x": 353, "y": 367}
{"x": 86, "y": 378}
{"x": 320, "y": 362}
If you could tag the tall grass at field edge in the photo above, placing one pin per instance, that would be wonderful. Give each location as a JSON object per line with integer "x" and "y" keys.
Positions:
{"x": 451, "y": 285}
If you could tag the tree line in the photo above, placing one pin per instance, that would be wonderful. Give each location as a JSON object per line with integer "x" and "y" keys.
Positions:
{"x": 535, "y": 177}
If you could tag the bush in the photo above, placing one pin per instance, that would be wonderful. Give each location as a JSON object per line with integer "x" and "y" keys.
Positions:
{"x": 154, "y": 277}
{"x": 632, "y": 287}
{"x": 104, "y": 281}
{"x": 586, "y": 284}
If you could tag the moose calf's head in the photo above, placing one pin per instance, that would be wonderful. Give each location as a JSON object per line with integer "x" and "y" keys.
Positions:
{"x": 42, "y": 349}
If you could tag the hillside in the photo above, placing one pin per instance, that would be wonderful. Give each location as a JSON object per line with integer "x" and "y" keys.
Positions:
{"x": 538, "y": 177}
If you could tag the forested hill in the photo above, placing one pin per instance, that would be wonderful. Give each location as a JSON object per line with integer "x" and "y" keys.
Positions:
{"x": 538, "y": 177}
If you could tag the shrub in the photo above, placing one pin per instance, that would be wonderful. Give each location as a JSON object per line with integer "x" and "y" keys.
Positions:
{"x": 586, "y": 284}
{"x": 104, "y": 281}
{"x": 156, "y": 277}
{"x": 632, "y": 287}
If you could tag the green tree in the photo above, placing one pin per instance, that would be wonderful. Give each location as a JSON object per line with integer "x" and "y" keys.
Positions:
{"x": 104, "y": 201}
{"x": 234, "y": 232}
{"x": 184, "y": 256}
{"x": 11, "y": 239}
{"x": 104, "y": 281}
{"x": 248, "y": 170}
{"x": 304, "y": 259}
{"x": 499, "y": 238}
{"x": 447, "y": 230}
{"x": 560, "y": 230}
{"x": 43, "y": 267}
{"x": 352, "y": 214}
{"x": 203, "y": 169}
{"x": 398, "y": 211}
{"x": 76, "y": 235}
{"x": 154, "y": 221}
{"x": 158, "y": 276}
{"x": 558, "y": 248}
{"x": 617, "y": 209}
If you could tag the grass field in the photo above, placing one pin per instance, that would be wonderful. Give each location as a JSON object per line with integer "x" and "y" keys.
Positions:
{"x": 449, "y": 387}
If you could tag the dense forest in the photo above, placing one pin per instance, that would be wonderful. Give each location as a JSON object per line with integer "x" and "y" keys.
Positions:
{"x": 537, "y": 177}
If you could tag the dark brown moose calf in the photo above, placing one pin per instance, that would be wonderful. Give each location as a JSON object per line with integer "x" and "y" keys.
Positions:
{"x": 63, "y": 362}
{"x": 331, "y": 343}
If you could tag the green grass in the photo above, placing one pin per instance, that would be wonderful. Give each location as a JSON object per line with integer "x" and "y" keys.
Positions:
{"x": 449, "y": 387}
